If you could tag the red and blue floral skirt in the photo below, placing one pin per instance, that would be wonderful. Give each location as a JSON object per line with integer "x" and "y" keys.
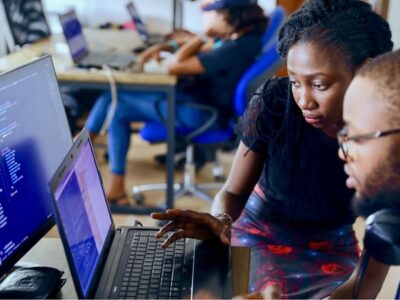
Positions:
{"x": 303, "y": 263}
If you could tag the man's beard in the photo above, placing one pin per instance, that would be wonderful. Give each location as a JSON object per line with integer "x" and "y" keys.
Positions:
{"x": 382, "y": 190}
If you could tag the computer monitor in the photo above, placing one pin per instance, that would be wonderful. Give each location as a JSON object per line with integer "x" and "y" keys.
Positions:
{"x": 34, "y": 138}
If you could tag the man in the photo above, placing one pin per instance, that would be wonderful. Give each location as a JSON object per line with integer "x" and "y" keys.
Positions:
{"x": 372, "y": 104}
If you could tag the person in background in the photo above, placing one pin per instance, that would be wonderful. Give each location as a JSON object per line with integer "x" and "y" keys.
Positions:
{"x": 286, "y": 192}
{"x": 238, "y": 25}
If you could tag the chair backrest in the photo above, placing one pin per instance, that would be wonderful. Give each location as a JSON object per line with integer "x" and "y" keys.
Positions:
{"x": 276, "y": 19}
{"x": 265, "y": 65}
{"x": 27, "y": 21}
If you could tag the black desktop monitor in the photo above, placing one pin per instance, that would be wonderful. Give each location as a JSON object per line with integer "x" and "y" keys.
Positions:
{"x": 34, "y": 138}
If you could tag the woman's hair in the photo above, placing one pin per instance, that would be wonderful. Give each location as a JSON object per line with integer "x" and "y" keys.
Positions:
{"x": 349, "y": 26}
{"x": 249, "y": 18}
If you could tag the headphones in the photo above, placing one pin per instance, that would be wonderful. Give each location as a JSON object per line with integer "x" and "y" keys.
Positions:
{"x": 382, "y": 236}
{"x": 381, "y": 241}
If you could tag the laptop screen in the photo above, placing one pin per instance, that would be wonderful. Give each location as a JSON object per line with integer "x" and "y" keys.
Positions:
{"x": 137, "y": 20}
{"x": 83, "y": 213}
{"x": 74, "y": 36}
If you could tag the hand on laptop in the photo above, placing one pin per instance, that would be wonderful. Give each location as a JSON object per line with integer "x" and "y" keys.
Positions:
{"x": 271, "y": 292}
{"x": 191, "y": 224}
{"x": 154, "y": 52}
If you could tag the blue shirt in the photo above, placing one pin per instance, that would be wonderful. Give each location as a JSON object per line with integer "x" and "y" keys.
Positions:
{"x": 398, "y": 293}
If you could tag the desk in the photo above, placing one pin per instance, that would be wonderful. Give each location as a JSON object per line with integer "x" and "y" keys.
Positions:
{"x": 68, "y": 75}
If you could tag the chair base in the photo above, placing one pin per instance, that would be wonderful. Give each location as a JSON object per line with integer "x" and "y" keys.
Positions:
{"x": 197, "y": 190}
{"x": 188, "y": 187}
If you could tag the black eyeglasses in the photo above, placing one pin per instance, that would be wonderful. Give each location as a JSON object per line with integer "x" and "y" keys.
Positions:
{"x": 344, "y": 138}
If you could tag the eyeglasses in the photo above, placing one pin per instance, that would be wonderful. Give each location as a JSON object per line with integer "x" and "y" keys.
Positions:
{"x": 344, "y": 138}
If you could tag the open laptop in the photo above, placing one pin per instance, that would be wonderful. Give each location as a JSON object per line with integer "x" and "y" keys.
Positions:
{"x": 147, "y": 38}
{"x": 126, "y": 262}
{"x": 79, "y": 49}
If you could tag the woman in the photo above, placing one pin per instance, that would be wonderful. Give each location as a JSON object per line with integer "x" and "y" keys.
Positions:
{"x": 286, "y": 191}
{"x": 217, "y": 67}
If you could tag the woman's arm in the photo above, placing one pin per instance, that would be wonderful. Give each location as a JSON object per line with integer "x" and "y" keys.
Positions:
{"x": 245, "y": 172}
{"x": 232, "y": 198}
{"x": 186, "y": 62}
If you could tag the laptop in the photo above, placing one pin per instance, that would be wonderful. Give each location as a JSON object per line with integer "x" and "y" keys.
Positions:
{"x": 79, "y": 49}
{"x": 126, "y": 262}
{"x": 147, "y": 38}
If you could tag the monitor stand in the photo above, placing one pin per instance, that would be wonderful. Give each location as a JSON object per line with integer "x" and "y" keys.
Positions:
{"x": 31, "y": 281}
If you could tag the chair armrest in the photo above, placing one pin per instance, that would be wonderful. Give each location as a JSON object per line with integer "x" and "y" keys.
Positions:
{"x": 207, "y": 125}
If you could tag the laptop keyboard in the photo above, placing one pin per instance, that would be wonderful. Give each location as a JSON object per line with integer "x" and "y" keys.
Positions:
{"x": 151, "y": 271}
{"x": 109, "y": 58}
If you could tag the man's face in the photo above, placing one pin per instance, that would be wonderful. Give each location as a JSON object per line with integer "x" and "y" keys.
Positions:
{"x": 373, "y": 165}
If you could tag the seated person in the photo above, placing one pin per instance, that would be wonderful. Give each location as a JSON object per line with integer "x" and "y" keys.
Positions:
{"x": 239, "y": 24}
{"x": 286, "y": 191}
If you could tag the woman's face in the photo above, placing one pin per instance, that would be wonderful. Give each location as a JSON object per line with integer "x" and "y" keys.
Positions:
{"x": 214, "y": 25}
{"x": 319, "y": 80}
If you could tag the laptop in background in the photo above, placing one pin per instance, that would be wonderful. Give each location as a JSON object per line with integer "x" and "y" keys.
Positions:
{"x": 147, "y": 38}
{"x": 126, "y": 262}
{"x": 78, "y": 46}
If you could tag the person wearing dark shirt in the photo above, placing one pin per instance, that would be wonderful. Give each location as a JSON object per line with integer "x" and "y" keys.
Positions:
{"x": 286, "y": 192}
{"x": 370, "y": 146}
{"x": 208, "y": 74}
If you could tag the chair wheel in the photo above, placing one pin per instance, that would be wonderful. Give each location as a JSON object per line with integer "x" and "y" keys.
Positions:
{"x": 139, "y": 198}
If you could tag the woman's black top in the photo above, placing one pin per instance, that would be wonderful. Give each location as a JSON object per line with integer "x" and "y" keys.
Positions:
{"x": 302, "y": 178}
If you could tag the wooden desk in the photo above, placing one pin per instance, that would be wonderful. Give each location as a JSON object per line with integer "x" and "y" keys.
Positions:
{"x": 132, "y": 79}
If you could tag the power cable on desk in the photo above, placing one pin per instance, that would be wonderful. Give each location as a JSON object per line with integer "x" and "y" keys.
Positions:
{"x": 114, "y": 99}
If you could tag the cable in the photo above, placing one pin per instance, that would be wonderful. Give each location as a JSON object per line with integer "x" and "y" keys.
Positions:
{"x": 360, "y": 274}
{"x": 114, "y": 100}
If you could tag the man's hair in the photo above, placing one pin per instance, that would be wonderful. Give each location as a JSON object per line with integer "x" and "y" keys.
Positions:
{"x": 384, "y": 72}
{"x": 347, "y": 26}
{"x": 250, "y": 18}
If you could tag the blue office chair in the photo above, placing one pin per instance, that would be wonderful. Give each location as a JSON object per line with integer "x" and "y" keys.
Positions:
{"x": 276, "y": 19}
{"x": 266, "y": 64}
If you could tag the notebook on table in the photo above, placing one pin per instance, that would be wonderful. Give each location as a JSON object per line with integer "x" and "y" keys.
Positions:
{"x": 147, "y": 38}
{"x": 81, "y": 55}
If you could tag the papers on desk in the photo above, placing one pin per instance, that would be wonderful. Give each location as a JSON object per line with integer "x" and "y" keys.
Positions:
{"x": 160, "y": 67}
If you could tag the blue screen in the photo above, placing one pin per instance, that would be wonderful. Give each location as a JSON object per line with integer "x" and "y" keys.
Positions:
{"x": 74, "y": 36}
{"x": 137, "y": 20}
{"x": 34, "y": 138}
{"x": 84, "y": 214}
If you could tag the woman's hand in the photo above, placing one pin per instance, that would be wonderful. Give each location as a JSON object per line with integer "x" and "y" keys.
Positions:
{"x": 154, "y": 51}
{"x": 191, "y": 224}
{"x": 271, "y": 292}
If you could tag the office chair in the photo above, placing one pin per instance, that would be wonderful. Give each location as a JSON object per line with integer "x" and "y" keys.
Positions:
{"x": 266, "y": 64}
{"x": 26, "y": 20}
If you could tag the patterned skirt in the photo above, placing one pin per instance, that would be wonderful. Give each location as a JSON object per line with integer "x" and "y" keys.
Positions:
{"x": 303, "y": 263}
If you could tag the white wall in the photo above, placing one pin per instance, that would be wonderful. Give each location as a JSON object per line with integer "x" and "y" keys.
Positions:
{"x": 156, "y": 13}
{"x": 394, "y": 21}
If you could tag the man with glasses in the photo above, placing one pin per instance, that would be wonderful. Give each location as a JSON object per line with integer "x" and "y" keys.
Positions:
{"x": 370, "y": 146}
